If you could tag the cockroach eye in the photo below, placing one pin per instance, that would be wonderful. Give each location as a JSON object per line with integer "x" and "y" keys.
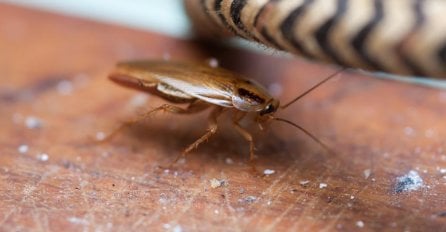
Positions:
{"x": 268, "y": 109}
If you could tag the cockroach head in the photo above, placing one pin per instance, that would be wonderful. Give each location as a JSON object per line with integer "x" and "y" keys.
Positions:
{"x": 270, "y": 108}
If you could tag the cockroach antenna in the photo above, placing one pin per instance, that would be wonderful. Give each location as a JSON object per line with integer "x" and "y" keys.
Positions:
{"x": 313, "y": 88}
{"x": 307, "y": 133}
{"x": 299, "y": 97}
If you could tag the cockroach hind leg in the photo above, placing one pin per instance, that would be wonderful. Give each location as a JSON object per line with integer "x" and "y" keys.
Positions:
{"x": 212, "y": 129}
{"x": 128, "y": 124}
{"x": 165, "y": 107}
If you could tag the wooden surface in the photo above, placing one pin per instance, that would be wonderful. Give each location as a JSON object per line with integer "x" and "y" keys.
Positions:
{"x": 55, "y": 98}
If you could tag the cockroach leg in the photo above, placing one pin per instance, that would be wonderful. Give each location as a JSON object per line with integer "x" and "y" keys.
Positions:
{"x": 248, "y": 137}
{"x": 212, "y": 128}
{"x": 193, "y": 107}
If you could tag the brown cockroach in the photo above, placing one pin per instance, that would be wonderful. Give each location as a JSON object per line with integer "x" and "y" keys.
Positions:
{"x": 202, "y": 87}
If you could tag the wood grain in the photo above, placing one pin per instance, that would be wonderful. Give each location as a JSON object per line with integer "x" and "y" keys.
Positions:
{"x": 54, "y": 72}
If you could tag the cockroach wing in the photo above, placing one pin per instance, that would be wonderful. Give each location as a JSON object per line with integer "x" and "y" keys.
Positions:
{"x": 203, "y": 91}
{"x": 168, "y": 90}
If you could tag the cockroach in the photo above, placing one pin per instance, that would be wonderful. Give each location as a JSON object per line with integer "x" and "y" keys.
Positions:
{"x": 203, "y": 87}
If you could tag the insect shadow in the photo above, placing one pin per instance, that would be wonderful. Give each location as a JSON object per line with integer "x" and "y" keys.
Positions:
{"x": 202, "y": 87}
{"x": 226, "y": 143}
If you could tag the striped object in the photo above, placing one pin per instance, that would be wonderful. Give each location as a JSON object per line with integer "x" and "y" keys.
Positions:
{"x": 397, "y": 36}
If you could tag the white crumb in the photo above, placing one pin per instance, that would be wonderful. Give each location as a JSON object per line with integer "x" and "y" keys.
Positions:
{"x": 443, "y": 170}
{"x": 268, "y": 171}
{"x": 33, "y": 123}
{"x": 76, "y": 220}
{"x": 213, "y": 62}
{"x": 360, "y": 224}
{"x": 304, "y": 182}
{"x": 367, "y": 173}
{"x": 216, "y": 183}
{"x": 409, "y": 182}
{"x": 139, "y": 100}
{"x": 43, "y": 157}
{"x": 323, "y": 185}
{"x": 100, "y": 135}
{"x": 23, "y": 149}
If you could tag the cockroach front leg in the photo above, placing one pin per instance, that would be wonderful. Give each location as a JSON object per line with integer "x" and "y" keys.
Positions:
{"x": 248, "y": 137}
{"x": 193, "y": 107}
{"x": 212, "y": 129}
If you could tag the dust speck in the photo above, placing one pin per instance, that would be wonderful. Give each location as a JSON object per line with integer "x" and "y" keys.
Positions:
{"x": 275, "y": 89}
{"x": 28, "y": 189}
{"x": 139, "y": 100}
{"x": 43, "y": 157}
{"x": 177, "y": 228}
{"x": 323, "y": 185}
{"x": 304, "y": 182}
{"x": 442, "y": 170}
{"x": 268, "y": 171}
{"x": 216, "y": 183}
{"x": 248, "y": 199}
{"x": 360, "y": 224}
{"x": 100, "y": 135}
{"x": 409, "y": 131}
{"x": 76, "y": 220}
{"x": 213, "y": 62}
{"x": 22, "y": 149}
{"x": 229, "y": 161}
{"x": 409, "y": 182}
{"x": 367, "y": 173}
{"x": 33, "y": 123}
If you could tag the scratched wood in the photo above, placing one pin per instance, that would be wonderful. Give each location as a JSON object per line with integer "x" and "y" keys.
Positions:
{"x": 55, "y": 98}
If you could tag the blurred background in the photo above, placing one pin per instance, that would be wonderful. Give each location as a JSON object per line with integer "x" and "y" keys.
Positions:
{"x": 55, "y": 99}
{"x": 167, "y": 17}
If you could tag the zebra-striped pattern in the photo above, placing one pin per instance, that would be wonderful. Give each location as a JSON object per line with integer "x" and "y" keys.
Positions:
{"x": 397, "y": 36}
